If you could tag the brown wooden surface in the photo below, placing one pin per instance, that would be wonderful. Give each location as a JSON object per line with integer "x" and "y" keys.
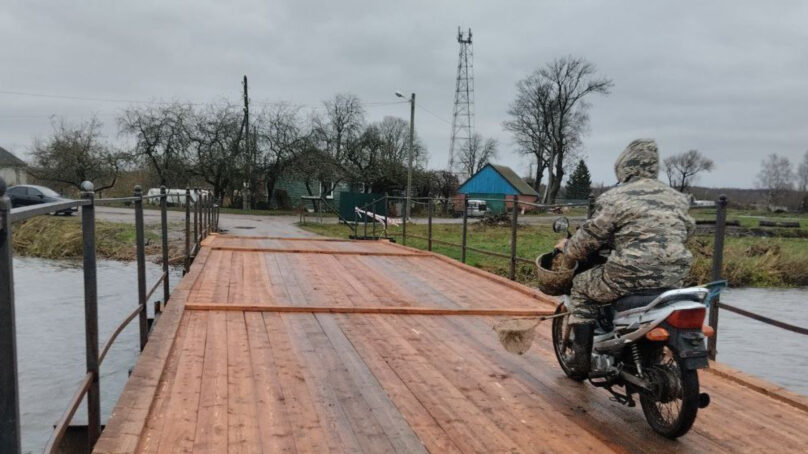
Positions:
{"x": 263, "y": 381}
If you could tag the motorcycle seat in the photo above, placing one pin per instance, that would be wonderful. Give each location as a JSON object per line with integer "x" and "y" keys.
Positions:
{"x": 636, "y": 300}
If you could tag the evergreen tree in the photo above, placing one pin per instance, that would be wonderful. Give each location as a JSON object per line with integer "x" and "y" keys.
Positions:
{"x": 579, "y": 185}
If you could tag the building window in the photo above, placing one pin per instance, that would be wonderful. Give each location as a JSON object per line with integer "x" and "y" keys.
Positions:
{"x": 327, "y": 190}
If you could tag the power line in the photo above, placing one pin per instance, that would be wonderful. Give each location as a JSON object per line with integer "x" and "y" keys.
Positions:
{"x": 136, "y": 101}
{"x": 433, "y": 114}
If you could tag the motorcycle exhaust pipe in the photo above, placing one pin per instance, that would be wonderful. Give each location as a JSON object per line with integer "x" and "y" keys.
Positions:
{"x": 704, "y": 400}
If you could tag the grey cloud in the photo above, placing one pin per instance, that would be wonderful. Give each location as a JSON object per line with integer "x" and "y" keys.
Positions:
{"x": 726, "y": 77}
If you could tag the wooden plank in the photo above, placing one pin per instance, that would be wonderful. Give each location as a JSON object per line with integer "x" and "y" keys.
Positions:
{"x": 212, "y": 421}
{"x": 400, "y": 434}
{"x": 316, "y": 251}
{"x": 273, "y": 418}
{"x": 150, "y": 439}
{"x": 128, "y": 420}
{"x": 283, "y": 238}
{"x": 307, "y": 428}
{"x": 345, "y": 409}
{"x": 180, "y": 428}
{"x": 407, "y": 310}
{"x": 242, "y": 424}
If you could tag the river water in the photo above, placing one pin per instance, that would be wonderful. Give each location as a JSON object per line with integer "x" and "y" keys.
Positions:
{"x": 50, "y": 337}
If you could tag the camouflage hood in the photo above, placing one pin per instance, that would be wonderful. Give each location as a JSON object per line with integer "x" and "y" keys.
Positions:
{"x": 639, "y": 159}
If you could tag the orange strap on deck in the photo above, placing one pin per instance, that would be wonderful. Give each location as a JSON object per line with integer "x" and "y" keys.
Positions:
{"x": 396, "y": 310}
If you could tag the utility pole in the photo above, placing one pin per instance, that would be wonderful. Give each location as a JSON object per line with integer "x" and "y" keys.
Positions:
{"x": 412, "y": 152}
{"x": 245, "y": 203}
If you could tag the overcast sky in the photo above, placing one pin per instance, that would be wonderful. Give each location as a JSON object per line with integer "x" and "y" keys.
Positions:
{"x": 727, "y": 78}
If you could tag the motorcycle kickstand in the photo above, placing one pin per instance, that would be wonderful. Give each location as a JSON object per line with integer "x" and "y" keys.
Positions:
{"x": 624, "y": 399}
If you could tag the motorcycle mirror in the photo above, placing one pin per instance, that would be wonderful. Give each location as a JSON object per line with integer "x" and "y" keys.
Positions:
{"x": 561, "y": 224}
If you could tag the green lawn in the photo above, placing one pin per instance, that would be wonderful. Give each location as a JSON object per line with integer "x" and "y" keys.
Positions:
{"x": 748, "y": 261}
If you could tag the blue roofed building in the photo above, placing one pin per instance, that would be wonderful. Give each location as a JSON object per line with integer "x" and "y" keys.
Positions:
{"x": 496, "y": 184}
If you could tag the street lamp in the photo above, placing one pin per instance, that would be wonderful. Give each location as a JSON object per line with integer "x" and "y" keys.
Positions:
{"x": 409, "y": 166}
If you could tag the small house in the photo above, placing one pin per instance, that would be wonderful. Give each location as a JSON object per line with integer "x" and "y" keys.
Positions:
{"x": 496, "y": 184}
{"x": 12, "y": 169}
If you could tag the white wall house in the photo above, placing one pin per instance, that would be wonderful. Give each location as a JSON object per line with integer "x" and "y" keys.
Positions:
{"x": 12, "y": 169}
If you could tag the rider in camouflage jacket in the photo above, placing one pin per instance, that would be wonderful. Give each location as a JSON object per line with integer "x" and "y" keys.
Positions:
{"x": 644, "y": 222}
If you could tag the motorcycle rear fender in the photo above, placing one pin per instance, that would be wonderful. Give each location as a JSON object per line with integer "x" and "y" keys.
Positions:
{"x": 690, "y": 345}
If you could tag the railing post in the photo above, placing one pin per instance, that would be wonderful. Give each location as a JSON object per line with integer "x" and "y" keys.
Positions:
{"x": 429, "y": 226}
{"x": 718, "y": 262}
{"x": 386, "y": 213}
{"x": 196, "y": 222}
{"x": 9, "y": 381}
{"x": 140, "y": 241}
{"x": 208, "y": 211}
{"x": 404, "y": 211}
{"x": 375, "y": 213}
{"x": 514, "y": 220}
{"x": 365, "y": 234}
{"x": 465, "y": 227}
{"x": 590, "y": 208}
{"x": 91, "y": 311}
{"x": 164, "y": 228}
{"x": 187, "y": 229}
{"x": 203, "y": 219}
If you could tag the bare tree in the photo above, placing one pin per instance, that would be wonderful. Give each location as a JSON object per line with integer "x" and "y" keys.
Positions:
{"x": 74, "y": 154}
{"x": 214, "y": 134}
{"x": 281, "y": 136}
{"x": 549, "y": 115}
{"x": 380, "y": 157}
{"x": 336, "y": 133}
{"x": 802, "y": 173}
{"x": 477, "y": 154}
{"x": 777, "y": 177}
{"x": 530, "y": 124}
{"x": 683, "y": 168}
{"x": 161, "y": 138}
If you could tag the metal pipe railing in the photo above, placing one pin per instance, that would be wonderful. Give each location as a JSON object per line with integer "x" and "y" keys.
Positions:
{"x": 140, "y": 241}
{"x": 205, "y": 216}
{"x": 164, "y": 243}
{"x": 718, "y": 264}
{"x": 23, "y": 213}
{"x": 9, "y": 379}
{"x": 91, "y": 313}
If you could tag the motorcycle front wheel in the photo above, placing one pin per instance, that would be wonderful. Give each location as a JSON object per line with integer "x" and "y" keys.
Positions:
{"x": 562, "y": 344}
{"x": 671, "y": 409}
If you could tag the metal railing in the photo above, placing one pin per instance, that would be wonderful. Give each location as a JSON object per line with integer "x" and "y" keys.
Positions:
{"x": 716, "y": 266}
{"x": 205, "y": 221}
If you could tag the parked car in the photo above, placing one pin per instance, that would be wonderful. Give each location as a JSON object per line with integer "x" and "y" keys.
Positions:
{"x": 28, "y": 194}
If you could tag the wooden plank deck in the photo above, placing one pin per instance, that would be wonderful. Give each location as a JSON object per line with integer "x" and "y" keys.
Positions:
{"x": 256, "y": 380}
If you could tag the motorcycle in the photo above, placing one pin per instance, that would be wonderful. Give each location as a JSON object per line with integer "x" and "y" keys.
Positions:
{"x": 650, "y": 345}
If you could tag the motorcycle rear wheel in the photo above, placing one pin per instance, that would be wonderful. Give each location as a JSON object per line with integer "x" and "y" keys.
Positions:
{"x": 672, "y": 412}
{"x": 563, "y": 349}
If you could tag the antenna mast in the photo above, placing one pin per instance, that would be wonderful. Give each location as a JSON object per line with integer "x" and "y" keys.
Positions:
{"x": 463, "y": 116}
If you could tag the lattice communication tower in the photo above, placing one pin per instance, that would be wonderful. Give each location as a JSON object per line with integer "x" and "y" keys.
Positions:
{"x": 463, "y": 117}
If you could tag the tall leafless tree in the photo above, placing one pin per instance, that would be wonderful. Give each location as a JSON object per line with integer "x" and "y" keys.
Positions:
{"x": 802, "y": 174}
{"x": 161, "y": 139}
{"x": 336, "y": 133}
{"x": 281, "y": 137}
{"x": 682, "y": 169}
{"x": 477, "y": 154}
{"x": 77, "y": 153}
{"x": 215, "y": 133}
{"x": 776, "y": 176}
{"x": 549, "y": 115}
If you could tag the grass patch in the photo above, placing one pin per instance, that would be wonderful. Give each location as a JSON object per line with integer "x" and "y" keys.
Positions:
{"x": 748, "y": 261}
{"x": 53, "y": 237}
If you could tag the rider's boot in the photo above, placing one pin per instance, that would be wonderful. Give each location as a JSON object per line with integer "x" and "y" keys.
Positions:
{"x": 582, "y": 348}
